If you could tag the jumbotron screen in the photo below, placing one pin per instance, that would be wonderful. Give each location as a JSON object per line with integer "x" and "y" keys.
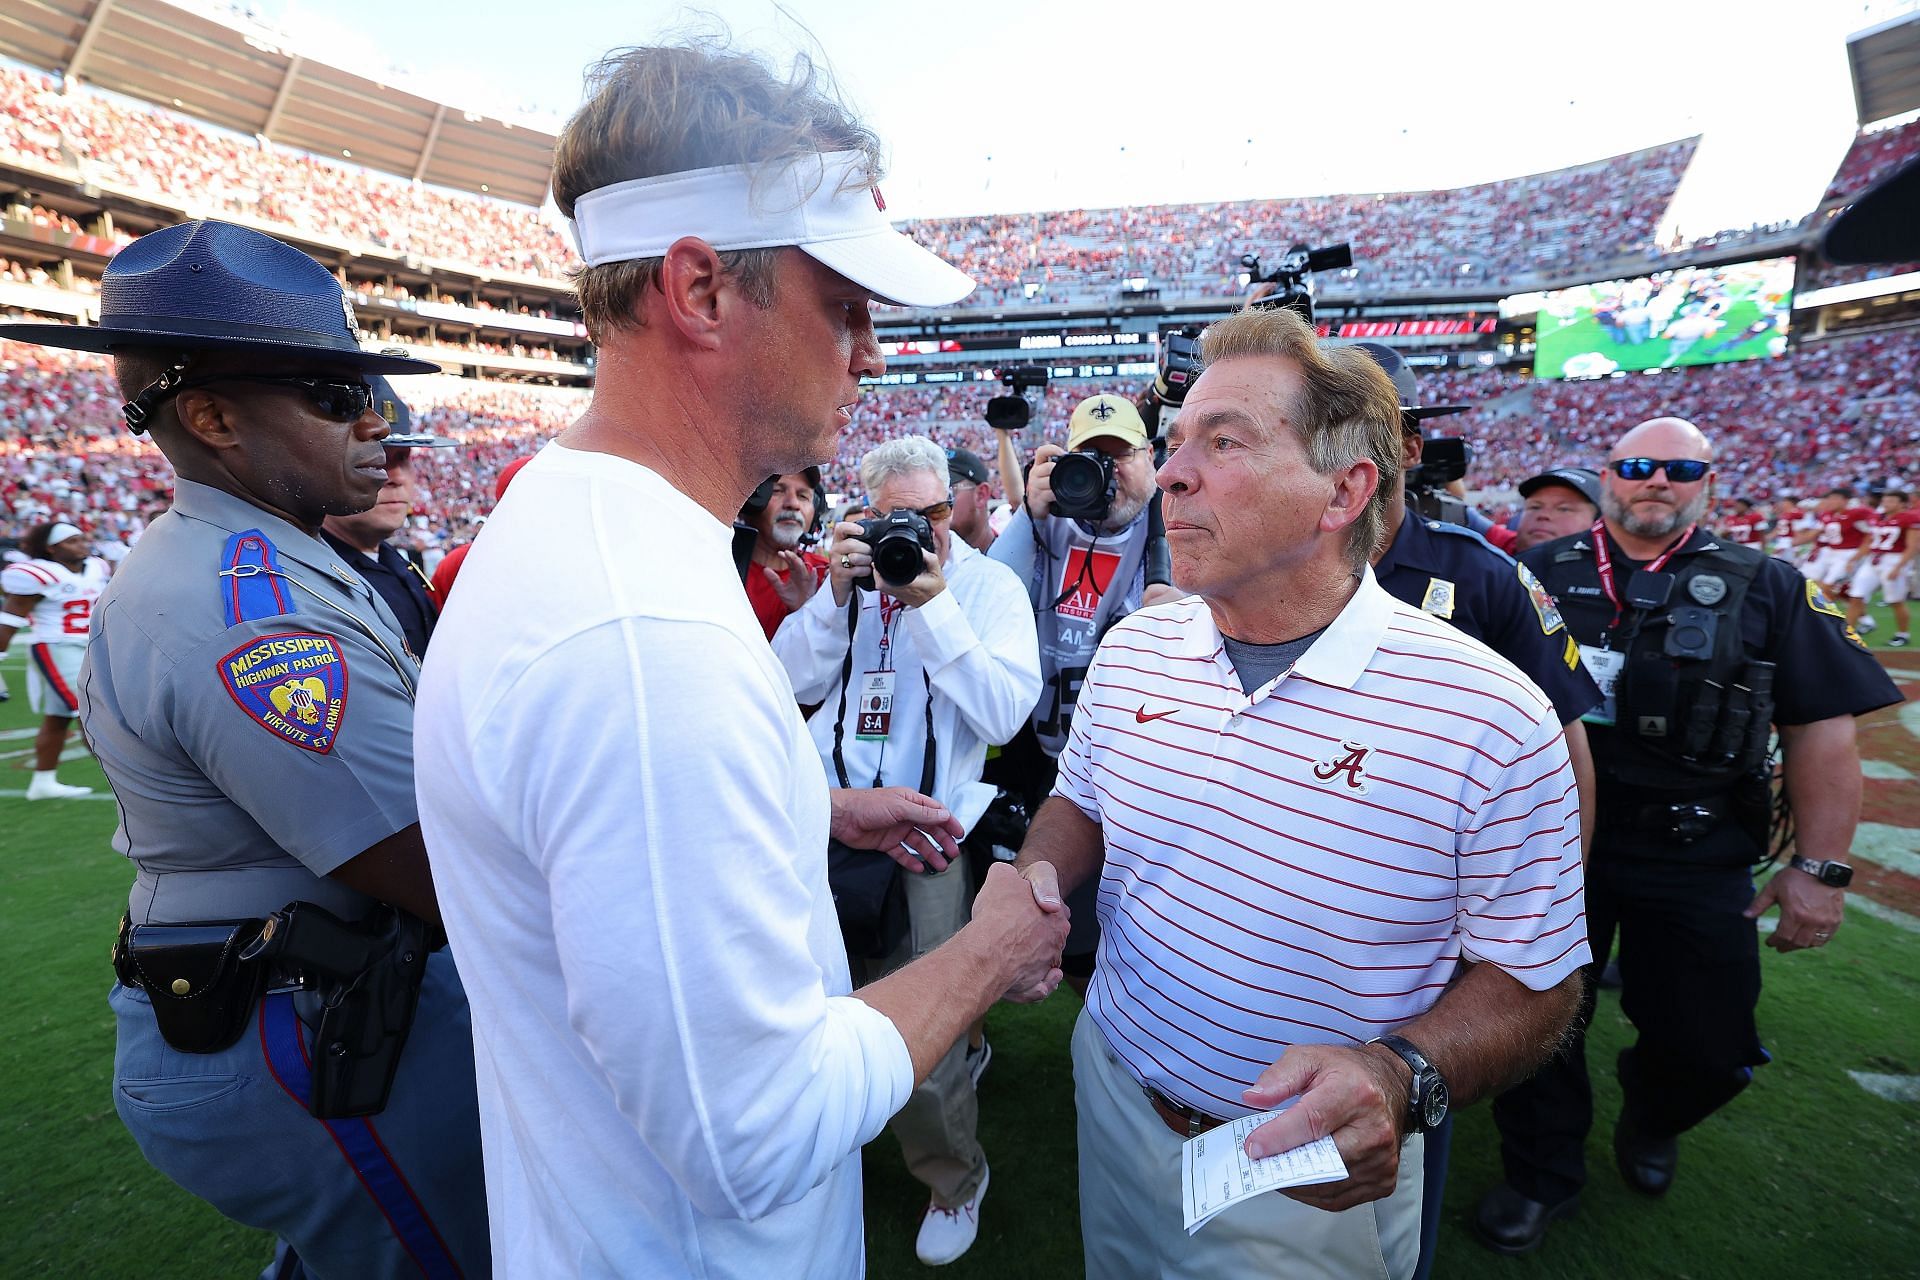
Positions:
{"x": 1694, "y": 315}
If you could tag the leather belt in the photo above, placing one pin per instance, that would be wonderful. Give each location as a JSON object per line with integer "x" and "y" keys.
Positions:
{"x": 1184, "y": 1121}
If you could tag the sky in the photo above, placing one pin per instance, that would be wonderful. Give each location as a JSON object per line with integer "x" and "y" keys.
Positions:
{"x": 998, "y": 106}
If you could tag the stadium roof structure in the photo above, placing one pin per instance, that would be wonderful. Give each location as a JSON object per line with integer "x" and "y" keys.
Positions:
{"x": 246, "y": 81}
{"x": 1885, "y": 62}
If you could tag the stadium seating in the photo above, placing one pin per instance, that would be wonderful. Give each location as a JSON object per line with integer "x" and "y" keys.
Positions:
{"x": 1493, "y": 234}
{"x": 1836, "y": 412}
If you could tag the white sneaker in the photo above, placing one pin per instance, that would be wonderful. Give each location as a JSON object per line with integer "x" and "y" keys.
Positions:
{"x": 945, "y": 1234}
{"x": 1866, "y": 624}
{"x": 53, "y": 789}
{"x": 978, "y": 1060}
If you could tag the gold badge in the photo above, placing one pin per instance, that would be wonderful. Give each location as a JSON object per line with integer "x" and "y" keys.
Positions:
{"x": 1439, "y": 598}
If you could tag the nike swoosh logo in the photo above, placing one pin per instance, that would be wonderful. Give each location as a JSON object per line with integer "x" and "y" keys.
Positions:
{"x": 1141, "y": 716}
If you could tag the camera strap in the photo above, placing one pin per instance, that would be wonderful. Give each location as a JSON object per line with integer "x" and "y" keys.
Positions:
{"x": 840, "y": 712}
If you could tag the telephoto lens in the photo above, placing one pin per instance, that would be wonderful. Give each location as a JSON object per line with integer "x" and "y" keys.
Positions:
{"x": 1083, "y": 486}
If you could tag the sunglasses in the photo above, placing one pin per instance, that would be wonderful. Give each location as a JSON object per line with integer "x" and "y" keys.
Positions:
{"x": 341, "y": 401}
{"x": 1679, "y": 470}
{"x": 933, "y": 515}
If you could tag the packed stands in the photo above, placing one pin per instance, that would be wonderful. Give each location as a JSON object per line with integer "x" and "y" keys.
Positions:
{"x": 1494, "y": 233}
{"x": 1497, "y": 232}
{"x": 1871, "y": 157}
{"x": 1835, "y": 412}
{"x": 115, "y": 143}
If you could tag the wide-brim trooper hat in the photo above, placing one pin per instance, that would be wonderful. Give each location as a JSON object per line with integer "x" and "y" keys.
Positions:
{"x": 1407, "y": 385}
{"x": 212, "y": 286}
{"x": 1883, "y": 225}
{"x": 399, "y": 419}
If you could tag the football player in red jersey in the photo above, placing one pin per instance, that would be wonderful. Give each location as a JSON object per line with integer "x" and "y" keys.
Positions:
{"x": 1843, "y": 531}
{"x": 1744, "y": 525}
{"x": 1885, "y": 561}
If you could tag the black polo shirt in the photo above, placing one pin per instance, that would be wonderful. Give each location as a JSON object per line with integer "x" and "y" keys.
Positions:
{"x": 1455, "y": 574}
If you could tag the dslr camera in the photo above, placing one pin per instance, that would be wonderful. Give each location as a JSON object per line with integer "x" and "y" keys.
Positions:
{"x": 1083, "y": 483}
{"x": 897, "y": 539}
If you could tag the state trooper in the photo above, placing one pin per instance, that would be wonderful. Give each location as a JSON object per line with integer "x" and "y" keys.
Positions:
{"x": 1451, "y": 572}
{"x": 362, "y": 538}
{"x": 290, "y": 1048}
{"x": 1700, "y": 648}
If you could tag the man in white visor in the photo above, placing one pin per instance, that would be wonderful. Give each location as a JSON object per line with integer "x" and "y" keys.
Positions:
{"x": 627, "y": 820}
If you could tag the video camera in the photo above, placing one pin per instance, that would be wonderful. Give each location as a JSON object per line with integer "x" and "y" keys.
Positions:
{"x": 1011, "y": 412}
{"x": 1443, "y": 459}
{"x": 897, "y": 538}
{"x": 1290, "y": 276}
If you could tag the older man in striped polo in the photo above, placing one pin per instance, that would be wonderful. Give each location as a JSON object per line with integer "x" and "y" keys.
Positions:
{"x": 1305, "y": 804}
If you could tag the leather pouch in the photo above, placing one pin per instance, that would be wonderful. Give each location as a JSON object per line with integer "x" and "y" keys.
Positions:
{"x": 201, "y": 990}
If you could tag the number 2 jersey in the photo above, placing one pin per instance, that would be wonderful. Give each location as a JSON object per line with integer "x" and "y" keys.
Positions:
{"x": 65, "y": 597}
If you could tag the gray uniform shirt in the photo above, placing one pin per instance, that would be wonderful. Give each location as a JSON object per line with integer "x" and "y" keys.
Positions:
{"x": 249, "y": 758}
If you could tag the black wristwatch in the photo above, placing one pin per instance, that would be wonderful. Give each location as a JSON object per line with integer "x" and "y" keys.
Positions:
{"x": 1833, "y": 873}
{"x": 1427, "y": 1095}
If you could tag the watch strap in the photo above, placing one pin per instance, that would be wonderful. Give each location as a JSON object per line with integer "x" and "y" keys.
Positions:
{"x": 1424, "y": 1075}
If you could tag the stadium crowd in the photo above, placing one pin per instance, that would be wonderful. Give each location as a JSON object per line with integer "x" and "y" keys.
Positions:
{"x": 1839, "y": 412}
{"x": 113, "y": 142}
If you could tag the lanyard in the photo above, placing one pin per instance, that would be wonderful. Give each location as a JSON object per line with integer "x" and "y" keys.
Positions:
{"x": 1603, "y": 561}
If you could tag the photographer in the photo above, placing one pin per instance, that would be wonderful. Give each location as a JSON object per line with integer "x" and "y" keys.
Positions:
{"x": 921, "y": 654}
{"x": 1082, "y": 555}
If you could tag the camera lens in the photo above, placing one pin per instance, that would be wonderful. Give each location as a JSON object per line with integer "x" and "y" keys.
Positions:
{"x": 1082, "y": 486}
{"x": 896, "y": 556}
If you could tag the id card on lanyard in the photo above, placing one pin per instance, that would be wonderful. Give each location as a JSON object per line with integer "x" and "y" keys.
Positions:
{"x": 1602, "y": 661}
{"x": 873, "y": 719}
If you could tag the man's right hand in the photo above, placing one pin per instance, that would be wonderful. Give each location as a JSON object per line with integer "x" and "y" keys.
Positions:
{"x": 1040, "y": 482}
{"x": 1020, "y": 922}
{"x": 848, "y": 558}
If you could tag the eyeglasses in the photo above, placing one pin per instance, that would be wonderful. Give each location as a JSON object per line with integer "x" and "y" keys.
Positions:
{"x": 933, "y": 515}
{"x": 1679, "y": 470}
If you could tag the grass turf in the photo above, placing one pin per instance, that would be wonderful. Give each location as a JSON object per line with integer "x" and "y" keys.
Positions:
{"x": 1805, "y": 1173}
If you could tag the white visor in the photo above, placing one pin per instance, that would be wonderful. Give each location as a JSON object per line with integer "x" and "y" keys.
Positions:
{"x": 819, "y": 204}
{"x": 60, "y": 532}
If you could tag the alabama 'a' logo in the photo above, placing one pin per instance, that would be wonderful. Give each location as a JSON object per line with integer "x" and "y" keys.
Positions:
{"x": 293, "y": 684}
{"x": 1346, "y": 767}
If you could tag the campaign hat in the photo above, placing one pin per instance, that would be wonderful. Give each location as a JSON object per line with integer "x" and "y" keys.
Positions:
{"x": 1406, "y": 384}
{"x": 213, "y": 286}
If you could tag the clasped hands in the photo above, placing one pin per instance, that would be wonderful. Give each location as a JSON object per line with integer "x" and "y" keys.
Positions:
{"x": 1019, "y": 917}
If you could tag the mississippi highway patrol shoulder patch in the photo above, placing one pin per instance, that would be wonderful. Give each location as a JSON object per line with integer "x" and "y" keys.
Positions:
{"x": 293, "y": 684}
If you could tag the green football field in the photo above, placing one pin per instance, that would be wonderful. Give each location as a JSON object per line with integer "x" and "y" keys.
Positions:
{"x": 1559, "y": 341}
{"x": 1812, "y": 1172}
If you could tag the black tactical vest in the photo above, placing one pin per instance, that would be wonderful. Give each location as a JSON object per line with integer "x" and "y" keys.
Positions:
{"x": 1692, "y": 711}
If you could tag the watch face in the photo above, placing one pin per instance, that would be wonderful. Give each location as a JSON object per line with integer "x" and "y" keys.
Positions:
{"x": 1837, "y": 875}
{"x": 1434, "y": 1106}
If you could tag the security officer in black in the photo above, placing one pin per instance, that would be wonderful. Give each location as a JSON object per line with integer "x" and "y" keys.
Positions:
{"x": 362, "y": 538}
{"x": 1453, "y": 573}
{"x": 1700, "y": 647}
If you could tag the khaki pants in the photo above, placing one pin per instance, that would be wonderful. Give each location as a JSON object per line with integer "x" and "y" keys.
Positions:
{"x": 1131, "y": 1225}
{"x": 936, "y": 1128}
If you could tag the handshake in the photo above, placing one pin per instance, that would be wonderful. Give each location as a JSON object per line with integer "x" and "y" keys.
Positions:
{"x": 1019, "y": 923}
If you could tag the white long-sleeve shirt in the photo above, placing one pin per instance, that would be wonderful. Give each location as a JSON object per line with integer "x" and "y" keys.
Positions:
{"x": 973, "y": 645}
{"x": 628, "y": 832}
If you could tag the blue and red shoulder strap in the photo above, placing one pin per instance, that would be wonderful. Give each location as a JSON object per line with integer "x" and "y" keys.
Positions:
{"x": 250, "y": 574}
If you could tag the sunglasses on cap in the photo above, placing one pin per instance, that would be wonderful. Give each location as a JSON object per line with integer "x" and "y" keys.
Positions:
{"x": 1679, "y": 470}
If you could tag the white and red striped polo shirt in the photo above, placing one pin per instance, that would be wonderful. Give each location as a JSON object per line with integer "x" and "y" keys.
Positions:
{"x": 1306, "y": 864}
